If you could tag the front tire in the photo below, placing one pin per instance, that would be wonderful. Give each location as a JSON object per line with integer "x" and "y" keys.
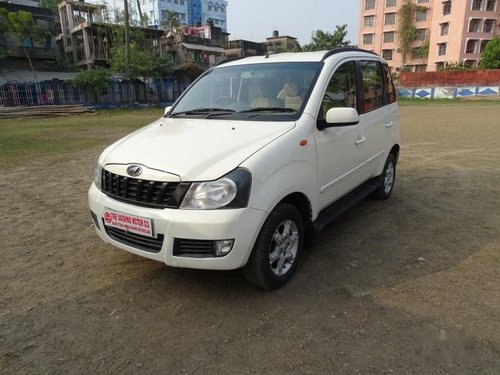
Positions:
{"x": 278, "y": 248}
{"x": 387, "y": 179}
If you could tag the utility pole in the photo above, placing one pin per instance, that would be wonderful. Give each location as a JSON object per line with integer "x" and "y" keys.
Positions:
{"x": 141, "y": 18}
{"x": 127, "y": 39}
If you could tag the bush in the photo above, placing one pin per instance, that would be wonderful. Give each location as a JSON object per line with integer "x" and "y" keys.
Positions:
{"x": 96, "y": 79}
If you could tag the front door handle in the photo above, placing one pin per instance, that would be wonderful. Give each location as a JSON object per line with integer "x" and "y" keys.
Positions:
{"x": 359, "y": 141}
{"x": 389, "y": 124}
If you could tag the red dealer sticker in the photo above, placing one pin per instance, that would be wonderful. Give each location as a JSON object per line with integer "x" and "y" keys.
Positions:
{"x": 129, "y": 223}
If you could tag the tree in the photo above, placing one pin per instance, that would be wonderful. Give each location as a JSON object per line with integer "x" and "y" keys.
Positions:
{"x": 142, "y": 62}
{"x": 323, "y": 40}
{"x": 407, "y": 31}
{"x": 490, "y": 58}
{"x": 4, "y": 28}
{"x": 93, "y": 80}
{"x": 53, "y": 5}
{"x": 171, "y": 23}
{"x": 22, "y": 25}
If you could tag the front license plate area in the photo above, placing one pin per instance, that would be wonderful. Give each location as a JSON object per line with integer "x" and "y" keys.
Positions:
{"x": 129, "y": 223}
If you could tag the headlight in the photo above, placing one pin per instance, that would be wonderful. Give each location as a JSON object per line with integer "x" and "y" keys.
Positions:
{"x": 230, "y": 191}
{"x": 98, "y": 175}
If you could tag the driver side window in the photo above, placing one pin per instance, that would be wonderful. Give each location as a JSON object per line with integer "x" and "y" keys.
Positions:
{"x": 341, "y": 91}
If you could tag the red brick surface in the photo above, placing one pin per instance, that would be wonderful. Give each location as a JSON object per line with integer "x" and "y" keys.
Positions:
{"x": 450, "y": 79}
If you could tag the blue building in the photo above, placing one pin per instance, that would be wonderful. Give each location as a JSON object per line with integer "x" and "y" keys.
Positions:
{"x": 189, "y": 12}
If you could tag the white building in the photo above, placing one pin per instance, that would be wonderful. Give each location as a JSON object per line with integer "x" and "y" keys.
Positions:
{"x": 189, "y": 12}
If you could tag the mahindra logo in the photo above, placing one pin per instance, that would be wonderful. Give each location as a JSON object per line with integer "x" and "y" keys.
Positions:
{"x": 134, "y": 170}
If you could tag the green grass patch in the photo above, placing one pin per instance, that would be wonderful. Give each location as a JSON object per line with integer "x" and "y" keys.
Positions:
{"x": 25, "y": 139}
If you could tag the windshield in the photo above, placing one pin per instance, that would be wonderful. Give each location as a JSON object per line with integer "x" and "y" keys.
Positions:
{"x": 271, "y": 91}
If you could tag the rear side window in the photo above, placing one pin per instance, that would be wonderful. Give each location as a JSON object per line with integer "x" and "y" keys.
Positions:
{"x": 390, "y": 91}
{"x": 373, "y": 86}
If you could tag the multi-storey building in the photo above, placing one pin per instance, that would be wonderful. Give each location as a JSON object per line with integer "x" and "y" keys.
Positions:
{"x": 42, "y": 51}
{"x": 189, "y": 12}
{"x": 453, "y": 31}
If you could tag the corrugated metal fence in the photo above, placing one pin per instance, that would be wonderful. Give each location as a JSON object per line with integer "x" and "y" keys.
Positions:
{"x": 117, "y": 94}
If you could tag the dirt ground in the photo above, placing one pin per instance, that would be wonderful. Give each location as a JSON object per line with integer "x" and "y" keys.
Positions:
{"x": 409, "y": 285}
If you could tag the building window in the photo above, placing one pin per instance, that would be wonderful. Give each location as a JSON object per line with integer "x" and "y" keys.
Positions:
{"x": 390, "y": 3}
{"x": 369, "y": 21}
{"x": 471, "y": 63}
{"x": 477, "y": 4}
{"x": 367, "y": 38}
{"x": 471, "y": 46}
{"x": 390, "y": 19}
{"x": 446, "y": 8}
{"x": 369, "y": 4}
{"x": 474, "y": 25}
{"x": 442, "y": 49}
{"x": 180, "y": 16}
{"x": 445, "y": 28}
{"x": 389, "y": 37}
{"x": 421, "y": 34}
{"x": 439, "y": 66}
{"x": 422, "y": 1}
{"x": 421, "y": 15}
{"x": 483, "y": 45}
{"x": 415, "y": 52}
{"x": 176, "y": 1}
{"x": 488, "y": 26}
{"x": 420, "y": 68}
{"x": 387, "y": 54}
{"x": 490, "y": 5}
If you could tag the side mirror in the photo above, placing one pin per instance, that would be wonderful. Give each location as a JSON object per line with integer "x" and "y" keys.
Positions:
{"x": 345, "y": 116}
{"x": 167, "y": 109}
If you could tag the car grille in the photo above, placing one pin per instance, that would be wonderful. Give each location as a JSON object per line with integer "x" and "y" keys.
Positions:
{"x": 152, "y": 245}
{"x": 193, "y": 248}
{"x": 154, "y": 194}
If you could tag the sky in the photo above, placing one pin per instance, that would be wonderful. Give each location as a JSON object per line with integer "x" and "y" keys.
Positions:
{"x": 256, "y": 19}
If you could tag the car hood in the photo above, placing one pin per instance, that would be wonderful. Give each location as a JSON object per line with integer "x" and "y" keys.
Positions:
{"x": 194, "y": 149}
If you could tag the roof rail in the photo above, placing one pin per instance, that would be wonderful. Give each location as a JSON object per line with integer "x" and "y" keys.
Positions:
{"x": 230, "y": 59}
{"x": 345, "y": 49}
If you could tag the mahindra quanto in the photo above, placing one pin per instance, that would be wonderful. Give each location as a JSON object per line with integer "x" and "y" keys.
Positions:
{"x": 256, "y": 155}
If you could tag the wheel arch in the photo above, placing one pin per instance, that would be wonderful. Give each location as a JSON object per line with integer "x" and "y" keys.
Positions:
{"x": 395, "y": 151}
{"x": 303, "y": 205}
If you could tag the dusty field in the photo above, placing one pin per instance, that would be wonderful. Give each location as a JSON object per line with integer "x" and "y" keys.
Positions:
{"x": 410, "y": 285}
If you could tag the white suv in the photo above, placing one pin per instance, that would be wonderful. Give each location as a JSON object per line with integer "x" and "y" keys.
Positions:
{"x": 255, "y": 156}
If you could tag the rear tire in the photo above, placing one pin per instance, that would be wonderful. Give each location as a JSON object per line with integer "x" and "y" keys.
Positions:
{"x": 387, "y": 179}
{"x": 277, "y": 249}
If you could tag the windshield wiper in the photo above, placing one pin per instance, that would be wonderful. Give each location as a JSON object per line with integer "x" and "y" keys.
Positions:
{"x": 268, "y": 109}
{"x": 208, "y": 111}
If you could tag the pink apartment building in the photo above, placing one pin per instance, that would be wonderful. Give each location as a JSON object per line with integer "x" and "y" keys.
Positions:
{"x": 456, "y": 31}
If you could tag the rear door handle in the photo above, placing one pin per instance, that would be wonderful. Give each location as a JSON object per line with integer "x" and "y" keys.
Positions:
{"x": 359, "y": 141}
{"x": 389, "y": 124}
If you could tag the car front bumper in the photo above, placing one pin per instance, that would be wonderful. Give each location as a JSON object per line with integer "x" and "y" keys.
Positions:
{"x": 241, "y": 225}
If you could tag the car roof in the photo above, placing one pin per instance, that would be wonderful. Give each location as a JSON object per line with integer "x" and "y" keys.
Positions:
{"x": 317, "y": 56}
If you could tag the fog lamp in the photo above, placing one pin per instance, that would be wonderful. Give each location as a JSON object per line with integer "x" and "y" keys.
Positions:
{"x": 223, "y": 247}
